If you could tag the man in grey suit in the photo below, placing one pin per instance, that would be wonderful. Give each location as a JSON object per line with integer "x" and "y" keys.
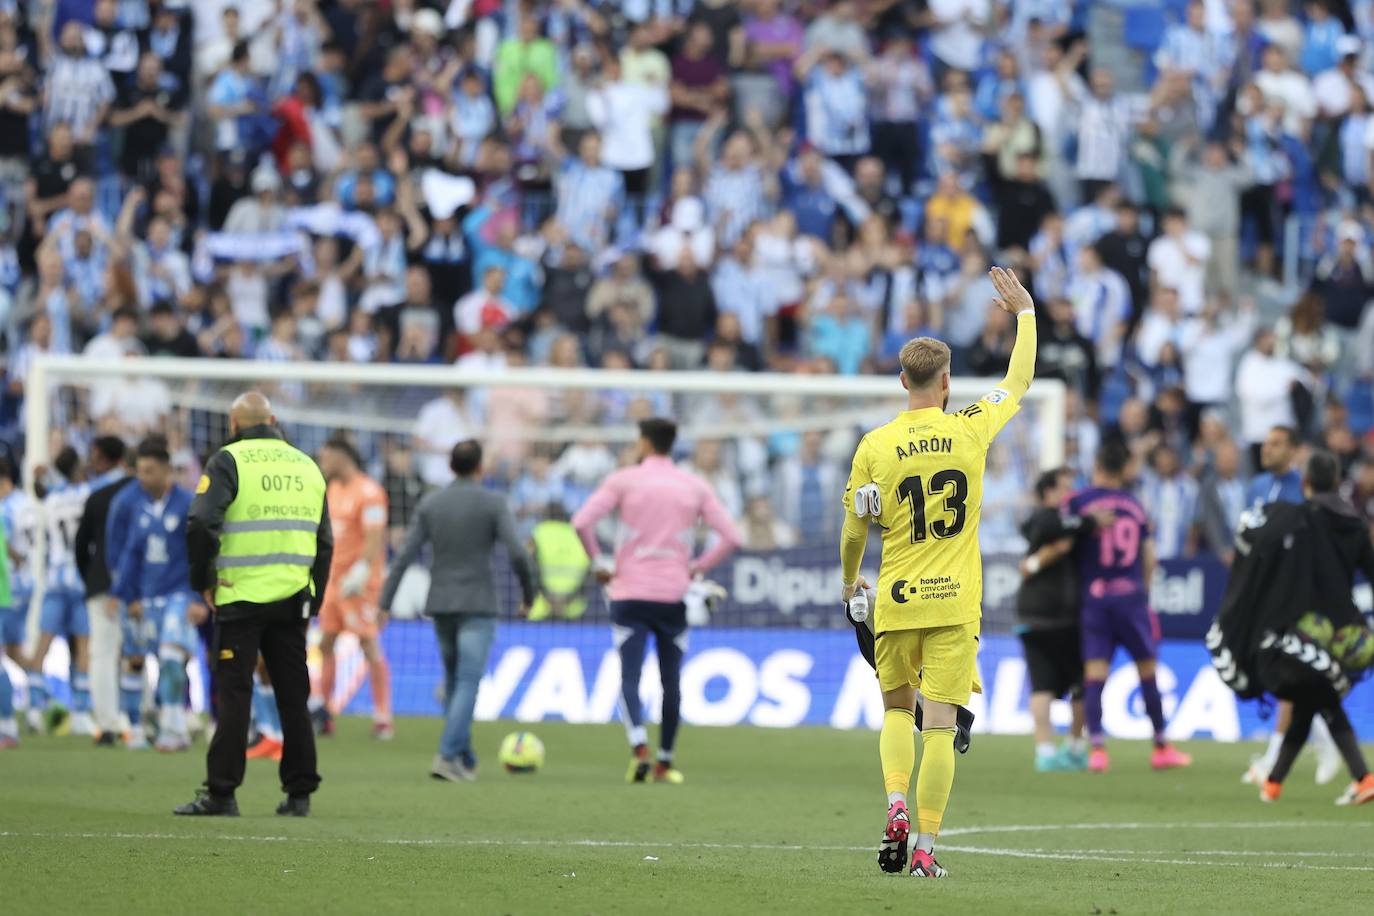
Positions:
{"x": 1221, "y": 500}
{"x": 462, "y": 523}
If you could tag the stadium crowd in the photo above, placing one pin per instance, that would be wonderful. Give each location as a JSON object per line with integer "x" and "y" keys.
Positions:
{"x": 793, "y": 185}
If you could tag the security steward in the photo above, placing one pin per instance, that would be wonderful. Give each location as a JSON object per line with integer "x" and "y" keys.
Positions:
{"x": 562, "y": 564}
{"x": 259, "y": 544}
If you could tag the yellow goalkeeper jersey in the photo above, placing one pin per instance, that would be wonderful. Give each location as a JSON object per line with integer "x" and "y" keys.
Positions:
{"x": 928, "y": 467}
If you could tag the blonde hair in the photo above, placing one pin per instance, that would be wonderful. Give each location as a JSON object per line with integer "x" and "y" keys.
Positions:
{"x": 923, "y": 359}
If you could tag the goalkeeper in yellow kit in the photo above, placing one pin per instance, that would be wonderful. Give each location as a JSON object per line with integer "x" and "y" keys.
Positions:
{"x": 920, "y": 478}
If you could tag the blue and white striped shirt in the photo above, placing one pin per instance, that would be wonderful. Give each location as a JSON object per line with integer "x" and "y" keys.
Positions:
{"x": 585, "y": 195}
{"x": 747, "y": 293}
{"x": 1268, "y": 162}
{"x": 21, "y": 524}
{"x": 62, "y": 509}
{"x": 1171, "y": 503}
{"x": 1100, "y": 300}
{"x": 1355, "y": 148}
{"x": 473, "y": 118}
{"x": 739, "y": 197}
{"x": 76, "y": 88}
{"x": 1201, "y": 53}
{"x": 87, "y": 277}
{"x": 837, "y": 112}
{"x": 1052, "y": 272}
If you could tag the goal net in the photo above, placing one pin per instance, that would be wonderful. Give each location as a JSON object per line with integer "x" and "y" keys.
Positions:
{"x": 776, "y": 449}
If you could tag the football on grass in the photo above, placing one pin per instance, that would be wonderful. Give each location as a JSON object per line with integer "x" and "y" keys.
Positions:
{"x": 522, "y": 752}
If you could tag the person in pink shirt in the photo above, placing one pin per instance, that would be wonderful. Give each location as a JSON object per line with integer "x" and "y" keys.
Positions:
{"x": 659, "y": 506}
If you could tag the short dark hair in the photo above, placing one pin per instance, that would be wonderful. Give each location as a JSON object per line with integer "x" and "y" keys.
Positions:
{"x": 67, "y": 462}
{"x": 1113, "y": 456}
{"x": 7, "y": 468}
{"x": 111, "y": 448}
{"x": 1323, "y": 472}
{"x": 660, "y": 433}
{"x": 1289, "y": 433}
{"x": 1047, "y": 481}
{"x": 341, "y": 444}
{"x": 155, "y": 447}
{"x": 466, "y": 457}
{"x": 125, "y": 311}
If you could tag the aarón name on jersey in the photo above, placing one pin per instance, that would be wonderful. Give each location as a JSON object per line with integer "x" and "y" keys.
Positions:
{"x": 933, "y": 445}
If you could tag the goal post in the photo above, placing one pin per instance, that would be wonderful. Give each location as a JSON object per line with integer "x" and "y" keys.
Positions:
{"x": 775, "y": 447}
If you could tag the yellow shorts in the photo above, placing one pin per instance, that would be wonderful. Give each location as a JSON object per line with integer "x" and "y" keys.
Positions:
{"x": 941, "y": 662}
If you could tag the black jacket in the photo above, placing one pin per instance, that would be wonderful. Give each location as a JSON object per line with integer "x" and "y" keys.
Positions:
{"x": 218, "y": 488}
{"x": 1049, "y": 599}
{"x": 1345, "y": 549}
{"x": 1290, "y": 559}
{"x": 89, "y": 545}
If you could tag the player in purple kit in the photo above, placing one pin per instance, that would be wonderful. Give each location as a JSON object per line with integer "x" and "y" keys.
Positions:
{"x": 1115, "y": 563}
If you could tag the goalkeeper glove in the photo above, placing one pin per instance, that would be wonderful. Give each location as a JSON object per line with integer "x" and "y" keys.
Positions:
{"x": 701, "y": 599}
{"x": 355, "y": 579}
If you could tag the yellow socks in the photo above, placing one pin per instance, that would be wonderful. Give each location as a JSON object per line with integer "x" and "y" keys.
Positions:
{"x": 934, "y": 780}
{"x": 897, "y": 750}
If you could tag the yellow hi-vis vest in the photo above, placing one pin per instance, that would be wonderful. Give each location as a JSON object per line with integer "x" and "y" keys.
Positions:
{"x": 267, "y": 544}
{"x": 563, "y": 564}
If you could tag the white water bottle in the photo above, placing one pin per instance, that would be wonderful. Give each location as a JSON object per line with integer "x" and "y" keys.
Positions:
{"x": 858, "y": 607}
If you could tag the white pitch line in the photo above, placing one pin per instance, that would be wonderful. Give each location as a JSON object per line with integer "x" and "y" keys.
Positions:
{"x": 1078, "y": 856}
{"x": 441, "y": 841}
{"x": 1149, "y": 857}
{"x": 1230, "y": 853}
{"x": 1153, "y": 825}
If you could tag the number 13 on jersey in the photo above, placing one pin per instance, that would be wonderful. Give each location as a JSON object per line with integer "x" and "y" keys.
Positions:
{"x": 950, "y": 484}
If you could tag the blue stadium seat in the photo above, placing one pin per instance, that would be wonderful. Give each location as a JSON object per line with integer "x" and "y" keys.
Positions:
{"x": 1143, "y": 28}
{"x": 1359, "y": 401}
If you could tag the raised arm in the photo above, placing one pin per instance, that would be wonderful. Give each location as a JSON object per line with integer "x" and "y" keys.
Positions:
{"x": 1013, "y": 299}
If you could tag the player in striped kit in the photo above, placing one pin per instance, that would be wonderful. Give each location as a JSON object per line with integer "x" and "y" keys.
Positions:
{"x": 64, "y": 597}
{"x": 9, "y": 728}
{"x": 19, "y": 519}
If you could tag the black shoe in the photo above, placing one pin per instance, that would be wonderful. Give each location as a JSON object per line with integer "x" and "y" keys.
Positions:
{"x": 294, "y": 806}
{"x": 207, "y": 805}
{"x": 107, "y": 739}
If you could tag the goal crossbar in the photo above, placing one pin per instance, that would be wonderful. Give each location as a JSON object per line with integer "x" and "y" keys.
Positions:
{"x": 48, "y": 371}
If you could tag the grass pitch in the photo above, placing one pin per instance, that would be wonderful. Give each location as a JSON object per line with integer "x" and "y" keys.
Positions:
{"x": 768, "y": 822}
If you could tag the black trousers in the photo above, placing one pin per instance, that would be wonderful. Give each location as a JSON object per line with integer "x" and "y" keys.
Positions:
{"x": 1300, "y": 727}
{"x": 632, "y": 622}
{"x": 277, "y": 630}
